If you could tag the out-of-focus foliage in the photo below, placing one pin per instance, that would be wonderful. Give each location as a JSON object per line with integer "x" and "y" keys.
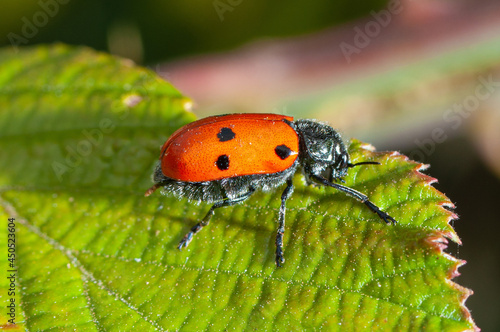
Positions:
{"x": 167, "y": 29}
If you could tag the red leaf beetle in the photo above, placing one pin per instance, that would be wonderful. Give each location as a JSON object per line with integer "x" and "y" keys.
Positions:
{"x": 224, "y": 159}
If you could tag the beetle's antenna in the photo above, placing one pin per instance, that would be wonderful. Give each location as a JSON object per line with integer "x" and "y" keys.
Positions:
{"x": 363, "y": 163}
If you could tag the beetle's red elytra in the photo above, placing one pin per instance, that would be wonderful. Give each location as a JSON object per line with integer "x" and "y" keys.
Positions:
{"x": 233, "y": 143}
{"x": 224, "y": 159}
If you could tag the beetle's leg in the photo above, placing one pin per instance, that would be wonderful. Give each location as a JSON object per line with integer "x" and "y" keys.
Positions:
{"x": 281, "y": 227}
{"x": 331, "y": 178}
{"x": 359, "y": 196}
{"x": 204, "y": 222}
{"x": 152, "y": 189}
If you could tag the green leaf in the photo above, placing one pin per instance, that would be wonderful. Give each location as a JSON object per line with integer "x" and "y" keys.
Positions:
{"x": 80, "y": 133}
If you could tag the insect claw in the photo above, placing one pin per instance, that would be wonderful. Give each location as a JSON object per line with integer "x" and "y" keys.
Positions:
{"x": 388, "y": 219}
{"x": 185, "y": 241}
{"x": 280, "y": 260}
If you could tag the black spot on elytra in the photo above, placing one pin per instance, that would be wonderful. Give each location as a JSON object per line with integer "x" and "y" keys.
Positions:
{"x": 283, "y": 151}
{"x": 225, "y": 134}
{"x": 222, "y": 162}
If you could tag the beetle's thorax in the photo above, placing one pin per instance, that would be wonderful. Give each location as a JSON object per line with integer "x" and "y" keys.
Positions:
{"x": 321, "y": 148}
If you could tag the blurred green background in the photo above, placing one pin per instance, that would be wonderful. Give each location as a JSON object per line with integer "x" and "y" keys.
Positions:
{"x": 419, "y": 77}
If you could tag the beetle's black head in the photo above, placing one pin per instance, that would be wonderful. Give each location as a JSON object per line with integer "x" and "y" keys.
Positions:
{"x": 321, "y": 149}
